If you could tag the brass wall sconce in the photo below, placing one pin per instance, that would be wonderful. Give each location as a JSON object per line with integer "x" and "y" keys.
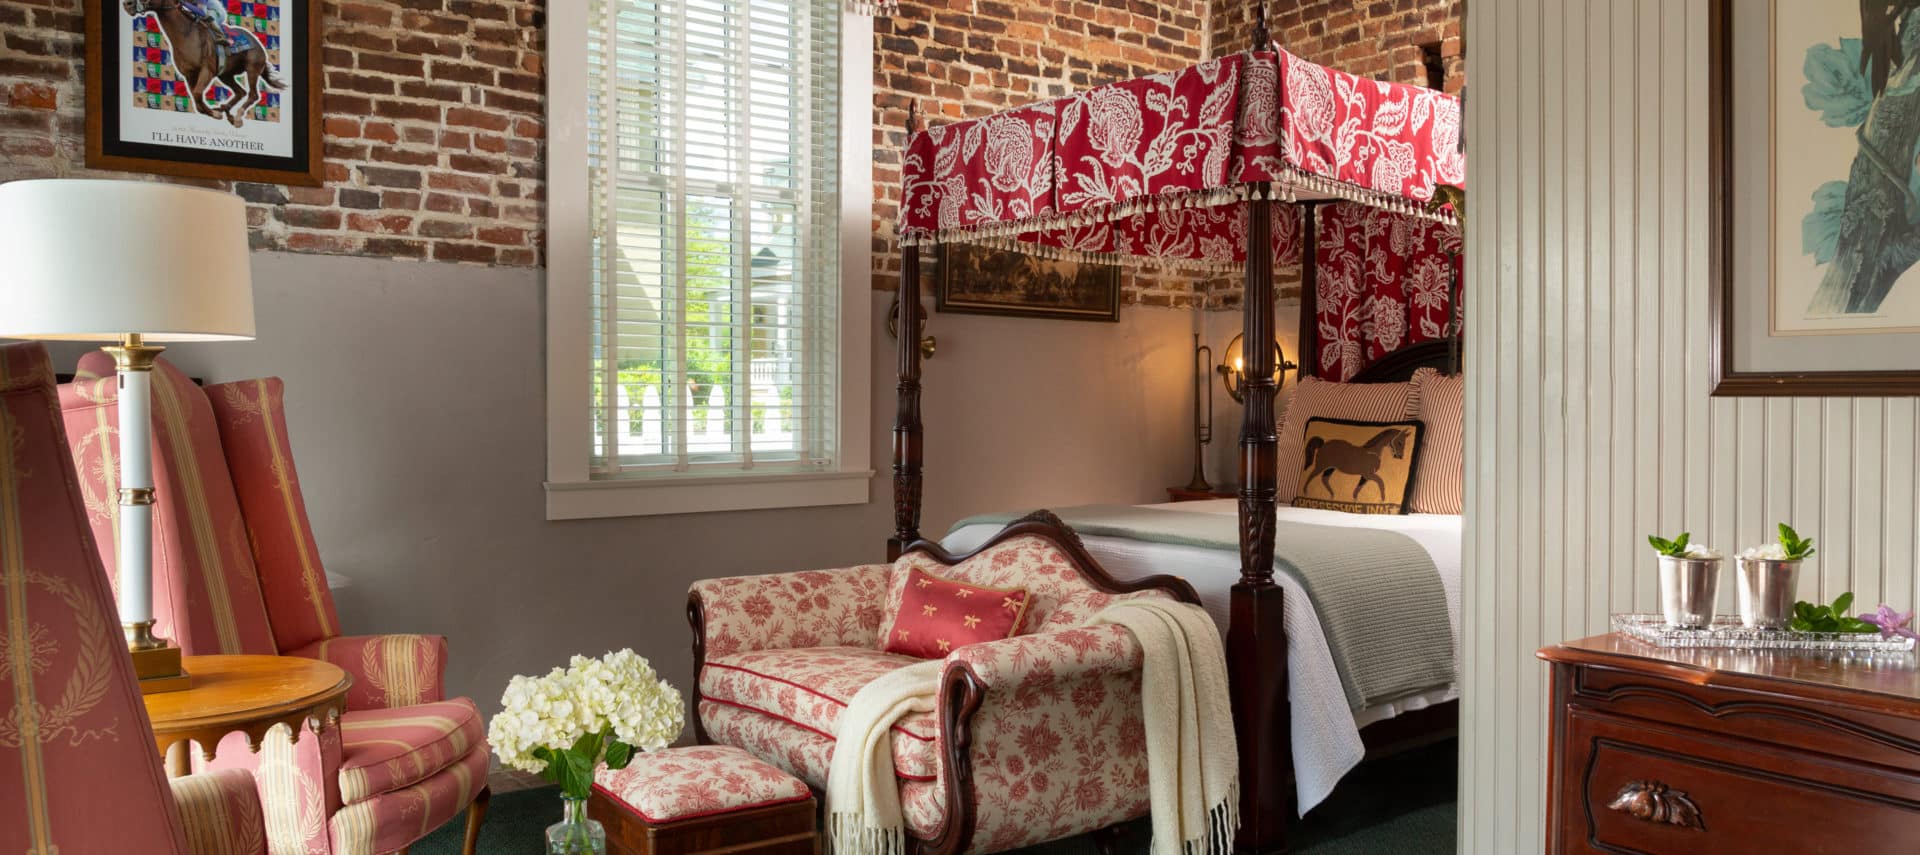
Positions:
{"x": 927, "y": 343}
{"x": 1232, "y": 368}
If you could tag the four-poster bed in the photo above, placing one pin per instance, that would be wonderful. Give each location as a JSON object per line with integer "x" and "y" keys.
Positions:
{"x": 1188, "y": 171}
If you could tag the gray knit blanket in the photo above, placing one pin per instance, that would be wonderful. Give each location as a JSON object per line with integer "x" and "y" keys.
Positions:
{"x": 1376, "y": 592}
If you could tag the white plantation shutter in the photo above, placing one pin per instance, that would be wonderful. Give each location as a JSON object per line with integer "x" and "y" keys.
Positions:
{"x": 713, "y": 163}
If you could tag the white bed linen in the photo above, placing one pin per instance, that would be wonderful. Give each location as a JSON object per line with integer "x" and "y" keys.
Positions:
{"x": 1326, "y": 734}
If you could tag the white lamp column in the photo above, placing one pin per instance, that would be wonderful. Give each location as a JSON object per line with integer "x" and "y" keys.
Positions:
{"x": 131, "y": 264}
{"x": 133, "y": 360}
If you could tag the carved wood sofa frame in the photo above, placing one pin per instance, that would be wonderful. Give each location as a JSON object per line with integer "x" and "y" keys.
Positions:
{"x": 961, "y": 690}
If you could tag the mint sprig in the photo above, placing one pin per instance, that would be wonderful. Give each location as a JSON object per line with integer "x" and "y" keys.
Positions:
{"x": 1796, "y": 546}
{"x": 1672, "y": 548}
{"x": 1808, "y": 617}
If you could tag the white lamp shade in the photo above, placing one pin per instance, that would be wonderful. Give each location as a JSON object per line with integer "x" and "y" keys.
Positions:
{"x": 94, "y": 260}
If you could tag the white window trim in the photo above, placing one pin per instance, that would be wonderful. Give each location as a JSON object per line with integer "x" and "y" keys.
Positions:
{"x": 571, "y": 493}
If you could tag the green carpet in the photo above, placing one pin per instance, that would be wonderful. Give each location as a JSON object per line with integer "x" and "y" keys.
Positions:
{"x": 1402, "y": 805}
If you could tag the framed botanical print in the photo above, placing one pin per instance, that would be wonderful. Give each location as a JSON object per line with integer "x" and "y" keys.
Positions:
{"x": 978, "y": 280}
{"x": 1814, "y": 135}
{"x": 220, "y": 89}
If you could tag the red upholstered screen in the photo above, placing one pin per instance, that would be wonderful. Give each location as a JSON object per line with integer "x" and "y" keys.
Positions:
{"x": 1386, "y": 281}
{"x": 252, "y": 418}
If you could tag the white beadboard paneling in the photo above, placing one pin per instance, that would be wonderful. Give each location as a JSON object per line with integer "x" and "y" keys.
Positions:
{"x": 1589, "y": 419}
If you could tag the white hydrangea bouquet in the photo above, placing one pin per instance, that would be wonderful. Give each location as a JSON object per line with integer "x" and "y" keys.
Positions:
{"x": 565, "y": 723}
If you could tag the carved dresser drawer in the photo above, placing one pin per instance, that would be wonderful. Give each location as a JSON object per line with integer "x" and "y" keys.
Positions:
{"x": 1709, "y": 751}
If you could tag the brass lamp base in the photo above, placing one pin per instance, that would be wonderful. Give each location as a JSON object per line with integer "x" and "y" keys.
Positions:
{"x": 155, "y": 661}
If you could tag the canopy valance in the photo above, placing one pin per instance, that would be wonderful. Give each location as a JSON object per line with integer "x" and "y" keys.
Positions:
{"x": 1157, "y": 170}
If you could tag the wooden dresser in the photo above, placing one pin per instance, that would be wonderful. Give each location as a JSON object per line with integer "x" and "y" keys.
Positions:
{"x": 1716, "y": 751}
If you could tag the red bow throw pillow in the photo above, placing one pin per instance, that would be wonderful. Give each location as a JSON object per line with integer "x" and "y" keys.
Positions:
{"x": 938, "y": 615}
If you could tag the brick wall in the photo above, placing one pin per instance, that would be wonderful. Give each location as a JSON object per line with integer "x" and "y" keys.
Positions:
{"x": 965, "y": 58}
{"x": 1385, "y": 39}
{"x": 434, "y": 127}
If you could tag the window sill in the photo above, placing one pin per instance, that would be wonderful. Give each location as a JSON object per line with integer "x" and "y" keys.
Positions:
{"x": 640, "y": 497}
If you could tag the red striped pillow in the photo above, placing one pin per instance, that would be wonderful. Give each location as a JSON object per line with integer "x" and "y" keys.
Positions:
{"x": 1439, "y": 401}
{"x": 252, "y": 416}
{"x": 1315, "y": 398}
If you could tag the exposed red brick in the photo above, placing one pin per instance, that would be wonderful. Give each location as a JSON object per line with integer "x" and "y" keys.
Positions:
{"x": 464, "y": 252}
{"x": 472, "y": 118}
{"x": 502, "y": 235}
{"x": 311, "y": 218}
{"x": 33, "y": 96}
{"x": 342, "y": 126}
{"x": 445, "y": 229}
{"x": 327, "y": 243}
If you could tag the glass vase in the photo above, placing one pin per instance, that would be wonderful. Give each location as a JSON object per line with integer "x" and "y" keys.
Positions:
{"x": 575, "y": 833}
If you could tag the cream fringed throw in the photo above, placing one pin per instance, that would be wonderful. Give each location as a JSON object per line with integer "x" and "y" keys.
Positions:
{"x": 863, "y": 799}
{"x": 1192, "y": 759}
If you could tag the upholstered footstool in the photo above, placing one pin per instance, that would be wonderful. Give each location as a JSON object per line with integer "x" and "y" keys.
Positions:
{"x": 686, "y": 800}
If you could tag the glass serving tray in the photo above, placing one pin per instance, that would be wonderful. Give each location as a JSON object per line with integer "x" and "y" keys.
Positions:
{"x": 1726, "y": 631}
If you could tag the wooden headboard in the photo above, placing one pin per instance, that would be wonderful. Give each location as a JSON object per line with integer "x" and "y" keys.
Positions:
{"x": 1398, "y": 366}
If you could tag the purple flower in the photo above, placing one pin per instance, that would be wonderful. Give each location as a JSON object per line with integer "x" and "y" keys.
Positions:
{"x": 1891, "y": 623}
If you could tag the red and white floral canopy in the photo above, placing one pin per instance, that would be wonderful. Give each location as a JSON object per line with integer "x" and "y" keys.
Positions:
{"x": 1157, "y": 171}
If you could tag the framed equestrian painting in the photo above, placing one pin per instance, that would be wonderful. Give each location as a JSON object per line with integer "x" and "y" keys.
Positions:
{"x": 220, "y": 89}
{"x": 1814, "y": 133}
{"x": 977, "y": 280}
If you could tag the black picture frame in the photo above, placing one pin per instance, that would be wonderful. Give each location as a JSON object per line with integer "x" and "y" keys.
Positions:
{"x": 997, "y": 270}
{"x": 109, "y": 148}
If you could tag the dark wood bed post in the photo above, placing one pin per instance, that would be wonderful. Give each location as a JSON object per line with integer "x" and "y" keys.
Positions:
{"x": 1309, "y": 345}
{"x": 907, "y": 440}
{"x": 1256, "y": 637}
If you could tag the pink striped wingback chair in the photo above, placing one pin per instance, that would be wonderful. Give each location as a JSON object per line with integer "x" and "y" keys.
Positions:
{"x": 236, "y": 570}
{"x": 75, "y": 743}
{"x": 1033, "y": 738}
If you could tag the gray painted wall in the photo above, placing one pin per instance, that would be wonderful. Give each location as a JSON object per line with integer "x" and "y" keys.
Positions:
{"x": 416, "y": 408}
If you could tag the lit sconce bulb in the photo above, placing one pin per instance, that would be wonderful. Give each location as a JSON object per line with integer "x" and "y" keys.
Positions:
{"x": 1236, "y": 365}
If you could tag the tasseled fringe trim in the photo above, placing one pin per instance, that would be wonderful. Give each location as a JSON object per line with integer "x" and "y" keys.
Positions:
{"x": 1292, "y": 185}
{"x": 1082, "y": 218}
{"x": 1117, "y": 259}
{"x": 1222, "y": 820}
{"x": 1293, "y": 181}
{"x": 873, "y": 8}
{"x": 849, "y": 834}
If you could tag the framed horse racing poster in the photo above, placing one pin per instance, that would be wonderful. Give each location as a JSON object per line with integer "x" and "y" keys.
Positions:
{"x": 221, "y": 89}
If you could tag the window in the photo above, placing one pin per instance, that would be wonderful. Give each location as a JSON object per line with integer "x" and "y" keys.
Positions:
{"x": 701, "y": 245}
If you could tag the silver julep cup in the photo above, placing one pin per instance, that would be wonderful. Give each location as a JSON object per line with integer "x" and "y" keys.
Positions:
{"x": 1688, "y": 588}
{"x": 1766, "y": 589}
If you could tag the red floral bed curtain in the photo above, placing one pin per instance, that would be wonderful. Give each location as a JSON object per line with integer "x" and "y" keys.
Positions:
{"x": 1386, "y": 281}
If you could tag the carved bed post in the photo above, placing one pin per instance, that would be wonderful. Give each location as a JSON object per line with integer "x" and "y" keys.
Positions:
{"x": 907, "y": 441}
{"x": 1257, "y": 633}
{"x": 1256, "y": 637}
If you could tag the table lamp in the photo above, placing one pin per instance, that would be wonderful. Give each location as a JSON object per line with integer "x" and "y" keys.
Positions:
{"x": 133, "y": 264}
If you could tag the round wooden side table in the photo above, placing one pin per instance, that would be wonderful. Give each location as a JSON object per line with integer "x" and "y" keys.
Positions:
{"x": 245, "y": 694}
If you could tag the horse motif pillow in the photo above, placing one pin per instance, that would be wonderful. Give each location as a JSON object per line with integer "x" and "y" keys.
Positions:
{"x": 1358, "y": 467}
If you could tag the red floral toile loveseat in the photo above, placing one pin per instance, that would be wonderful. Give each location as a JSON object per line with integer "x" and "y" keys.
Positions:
{"x": 1034, "y": 737}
